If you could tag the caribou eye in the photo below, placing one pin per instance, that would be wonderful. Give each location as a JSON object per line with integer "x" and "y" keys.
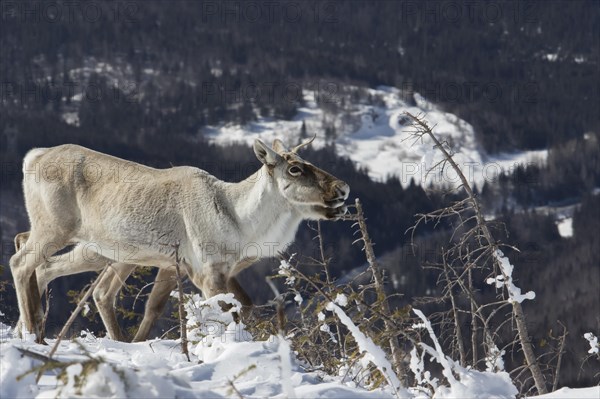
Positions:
{"x": 295, "y": 171}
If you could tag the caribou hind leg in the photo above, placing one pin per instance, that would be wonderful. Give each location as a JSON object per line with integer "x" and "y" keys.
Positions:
{"x": 77, "y": 261}
{"x": 69, "y": 263}
{"x": 73, "y": 262}
{"x": 35, "y": 250}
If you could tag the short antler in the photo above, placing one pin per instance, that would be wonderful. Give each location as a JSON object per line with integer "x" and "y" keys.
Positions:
{"x": 299, "y": 146}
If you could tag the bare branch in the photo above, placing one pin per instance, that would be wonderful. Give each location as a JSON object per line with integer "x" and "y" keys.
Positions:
{"x": 76, "y": 312}
{"x": 182, "y": 323}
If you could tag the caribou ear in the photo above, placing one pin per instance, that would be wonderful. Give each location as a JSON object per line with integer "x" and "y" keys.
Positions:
{"x": 266, "y": 155}
{"x": 279, "y": 147}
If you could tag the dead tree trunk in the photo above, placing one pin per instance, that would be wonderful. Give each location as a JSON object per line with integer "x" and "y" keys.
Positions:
{"x": 370, "y": 255}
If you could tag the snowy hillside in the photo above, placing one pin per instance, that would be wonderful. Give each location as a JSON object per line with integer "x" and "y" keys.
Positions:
{"x": 157, "y": 369}
{"x": 376, "y": 136}
{"x": 226, "y": 362}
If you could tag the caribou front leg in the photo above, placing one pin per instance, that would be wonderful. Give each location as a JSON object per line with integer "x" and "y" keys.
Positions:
{"x": 164, "y": 283}
{"x": 212, "y": 282}
{"x": 105, "y": 296}
{"x": 241, "y": 295}
{"x": 215, "y": 282}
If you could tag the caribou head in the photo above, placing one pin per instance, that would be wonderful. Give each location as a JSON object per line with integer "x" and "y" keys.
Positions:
{"x": 316, "y": 193}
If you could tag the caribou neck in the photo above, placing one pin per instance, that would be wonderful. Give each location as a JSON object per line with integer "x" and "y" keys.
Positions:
{"x": 259, "y": 207}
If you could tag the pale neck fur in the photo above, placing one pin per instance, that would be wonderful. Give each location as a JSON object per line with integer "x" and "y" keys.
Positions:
{"x": 262, "y": 213}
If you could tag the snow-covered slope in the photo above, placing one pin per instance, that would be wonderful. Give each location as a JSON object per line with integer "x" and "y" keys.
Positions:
{"x": 376, "y": 135}
{"x": 157, "y": 369}
{"x": 569, "y": 393}
{"x": 224, "y": 362}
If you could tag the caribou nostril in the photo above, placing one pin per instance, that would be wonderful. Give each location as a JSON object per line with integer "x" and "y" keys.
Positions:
{"x": 343, "y": 190}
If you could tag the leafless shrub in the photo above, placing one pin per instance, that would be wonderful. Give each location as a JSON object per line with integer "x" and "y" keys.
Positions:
{"x": 474, "y": 251}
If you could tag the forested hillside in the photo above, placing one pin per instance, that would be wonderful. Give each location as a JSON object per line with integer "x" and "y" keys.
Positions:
{"x": 521, "y": 72}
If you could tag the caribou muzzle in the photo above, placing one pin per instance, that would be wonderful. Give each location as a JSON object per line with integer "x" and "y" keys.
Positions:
{"x": 335, "y": 202}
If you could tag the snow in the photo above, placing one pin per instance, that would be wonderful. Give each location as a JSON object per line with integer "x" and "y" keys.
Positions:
{"x": 224, "y": 364}
{"x": 494, "y": 360}
{"x": 593, "y": 340}
{"x": 284, "y": 352}
{"x": 298, "y": 298}
{"x": 437, "y": 352}
{"x": 157, "y": 369}
{"x": 372, "y": 352}
{"x": 514, "y": 292}
{"x": 377, "y": 137}
{"x": 478, "y": 385}
{"x": 568, "y": 393}
{"x": 464, "y": 383}
{"x": 12, "y": 367}
{"x": 565, "y": 227}
{"x": 285, "y": 270}
{"x": 71, "y": 118}
{"x": 341, "y": 300}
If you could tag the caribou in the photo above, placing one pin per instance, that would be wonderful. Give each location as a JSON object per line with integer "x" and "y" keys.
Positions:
{"x": 132, "y": 215}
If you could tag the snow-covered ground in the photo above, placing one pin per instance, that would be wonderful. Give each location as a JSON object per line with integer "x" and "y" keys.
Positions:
{"x": 376, "y": 136}
{"x": 157, "y": 369}
{"x": 224, "y": 362}
{"x": 232, "y": 367}
{"x": 568, "y": 393}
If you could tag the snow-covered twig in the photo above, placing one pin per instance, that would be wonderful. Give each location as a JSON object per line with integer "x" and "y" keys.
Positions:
{"x": 438, "y": 353}
{"x": 505, "y": 279}
{"x": 593, "y": 341}
{"x": 373, "y": 353}
{"x": 283, "y": 350}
